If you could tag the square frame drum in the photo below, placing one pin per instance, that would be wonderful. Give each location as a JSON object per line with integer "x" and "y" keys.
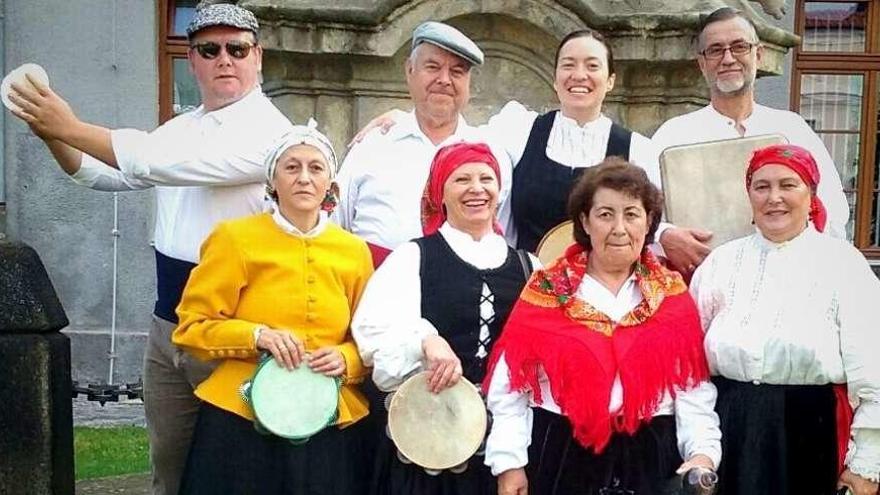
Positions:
{"x": 704, "y": 185}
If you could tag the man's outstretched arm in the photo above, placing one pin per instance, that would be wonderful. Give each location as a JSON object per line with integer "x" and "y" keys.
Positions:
{"x": 52, "y": 120}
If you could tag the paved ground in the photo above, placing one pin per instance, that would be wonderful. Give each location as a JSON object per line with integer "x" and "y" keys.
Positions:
{"x": 124, "y": 413}
{"x": 134, "y": 484}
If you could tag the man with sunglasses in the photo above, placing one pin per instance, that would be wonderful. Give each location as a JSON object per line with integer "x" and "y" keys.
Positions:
{"x": 728, "y": 54}
{"x": 218, "y": 151}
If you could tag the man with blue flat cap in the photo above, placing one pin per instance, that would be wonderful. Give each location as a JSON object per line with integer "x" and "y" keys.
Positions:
{"x": 383, "y": 176}
{"x": 217, "y": 151}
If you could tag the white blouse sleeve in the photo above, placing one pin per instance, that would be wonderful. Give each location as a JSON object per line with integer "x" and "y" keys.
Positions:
{"x": 510, "y": 128}
{"x": 696, "y": 423}
{"x": 508, "y": 443}
{"x": 388, "y": 326}
{"x": 858, "y": 342}
{"x": 702, "y": 291}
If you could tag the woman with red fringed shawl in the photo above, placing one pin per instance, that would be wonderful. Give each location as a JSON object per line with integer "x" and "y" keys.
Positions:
{"x": 791, "y": 328}
{"x": 599, "y": 380}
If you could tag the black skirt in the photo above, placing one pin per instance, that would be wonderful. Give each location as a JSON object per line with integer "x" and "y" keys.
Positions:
{"x": 229, "y": 457}
{"x": 391, "y": 476}
{"x": 777, "y": 439}
{"x": 641, "y": 464}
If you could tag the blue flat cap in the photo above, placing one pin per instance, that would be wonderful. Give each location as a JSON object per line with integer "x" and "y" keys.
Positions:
{"x": 222, "y": 14}
{"x": 449, "y": 39}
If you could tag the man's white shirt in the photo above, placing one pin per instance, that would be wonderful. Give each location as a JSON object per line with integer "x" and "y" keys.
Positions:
{"x": 383, "y": 178}
{"x": 707, "y": 124}
{"x": 206, "y": 167}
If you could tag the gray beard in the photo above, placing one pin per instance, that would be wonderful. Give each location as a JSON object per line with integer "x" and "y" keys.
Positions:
{"x": 744, "y": 88}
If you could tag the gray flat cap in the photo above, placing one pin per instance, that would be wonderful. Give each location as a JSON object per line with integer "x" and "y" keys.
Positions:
{"x": 449, "y": 39}
{"x": 222, "y": 14}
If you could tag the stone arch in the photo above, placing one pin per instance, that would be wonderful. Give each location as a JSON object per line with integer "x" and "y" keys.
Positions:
{"x": 550, "y": 17}
{"x": 345, "y": 63}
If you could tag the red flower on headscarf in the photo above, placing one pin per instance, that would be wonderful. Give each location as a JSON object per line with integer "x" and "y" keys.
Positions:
{"x": 445, "y": 162}
{"x": 803, "y": 164}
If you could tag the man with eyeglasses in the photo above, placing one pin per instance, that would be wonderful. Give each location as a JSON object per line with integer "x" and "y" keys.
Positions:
{"x": 224, "y": 142}
{"x": 728, "y": 55}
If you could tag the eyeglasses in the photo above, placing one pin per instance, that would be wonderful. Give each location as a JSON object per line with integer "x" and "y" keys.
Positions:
{"x": 736, "y": 48}
{"x": 209, "y": 50}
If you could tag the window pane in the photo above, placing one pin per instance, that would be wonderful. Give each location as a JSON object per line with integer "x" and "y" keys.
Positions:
{"x": 835, "y": 26}
{"x": 832, "y": 105}
{"x": 183, "y": 13}
{"x": 874, "y": 231}
{"x": 875, "y": 211}
{"x": 832, "y": 102}
{"x": 186, "y": 92}
{"x": 844, "y": 149}
{"x": 877, "y": 140}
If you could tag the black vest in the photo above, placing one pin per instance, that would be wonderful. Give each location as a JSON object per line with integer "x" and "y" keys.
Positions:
{"x": 451, "y": 296}
{"x": 541, "y": 186}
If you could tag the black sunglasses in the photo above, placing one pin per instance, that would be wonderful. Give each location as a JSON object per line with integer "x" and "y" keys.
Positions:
{"x": 209, "y": 50}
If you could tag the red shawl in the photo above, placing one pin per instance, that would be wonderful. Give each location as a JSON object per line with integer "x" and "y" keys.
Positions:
{"x": 655, "y": 348}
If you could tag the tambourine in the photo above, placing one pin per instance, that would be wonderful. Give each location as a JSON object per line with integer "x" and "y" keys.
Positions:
{"x": 293, "y": 404}
{"x": 19, "y": 76}
{"x": 437, "y": 431}
{"x": 555, "y": 242}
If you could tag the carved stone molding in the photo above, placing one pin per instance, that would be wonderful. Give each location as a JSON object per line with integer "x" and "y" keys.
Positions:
{"x": 348, "y": 55}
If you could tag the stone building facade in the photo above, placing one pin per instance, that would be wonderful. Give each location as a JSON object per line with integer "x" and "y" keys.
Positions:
{"x": 344, "y": 64}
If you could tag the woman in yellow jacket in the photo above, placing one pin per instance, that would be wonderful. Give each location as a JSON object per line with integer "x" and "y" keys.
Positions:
{"x": 284, "y": 283}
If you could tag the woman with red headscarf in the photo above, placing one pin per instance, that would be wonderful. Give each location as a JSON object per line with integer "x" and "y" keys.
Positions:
{"x": 438, "y": 303}
{"x": 790, "y": 330}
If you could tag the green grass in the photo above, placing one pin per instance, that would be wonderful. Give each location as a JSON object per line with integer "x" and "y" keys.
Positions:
{"x": 101, "y": 452}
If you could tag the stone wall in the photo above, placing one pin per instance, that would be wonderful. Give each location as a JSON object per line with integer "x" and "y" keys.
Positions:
{"x": 101, "y": 56}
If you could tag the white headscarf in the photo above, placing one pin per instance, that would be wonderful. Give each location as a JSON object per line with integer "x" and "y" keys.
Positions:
{"x": 301, "y": 134}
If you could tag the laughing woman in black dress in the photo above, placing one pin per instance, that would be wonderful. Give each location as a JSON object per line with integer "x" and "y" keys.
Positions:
{"x": 438, "y": 303}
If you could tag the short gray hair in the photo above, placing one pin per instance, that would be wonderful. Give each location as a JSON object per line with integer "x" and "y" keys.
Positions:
{"x": 725, "y": 14}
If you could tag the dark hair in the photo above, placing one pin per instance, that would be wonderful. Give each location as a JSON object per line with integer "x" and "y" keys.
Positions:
{"x": 619, "y": 175}
{"x": 719, "y": 15}
{"x": 586, "y": 33}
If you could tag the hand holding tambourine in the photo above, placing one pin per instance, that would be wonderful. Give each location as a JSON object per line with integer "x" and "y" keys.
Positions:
{"x": 26, "y": 93}
{"x": 19, "y": 77}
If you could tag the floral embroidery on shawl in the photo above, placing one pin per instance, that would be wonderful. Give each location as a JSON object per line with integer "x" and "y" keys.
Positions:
{"x": 556, "y": 285}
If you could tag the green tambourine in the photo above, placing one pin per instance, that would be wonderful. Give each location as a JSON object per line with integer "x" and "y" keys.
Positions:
{"x": 295, "y": 404}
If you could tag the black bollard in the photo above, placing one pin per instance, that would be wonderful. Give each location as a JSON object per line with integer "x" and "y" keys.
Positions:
{"x": 36, "y": 417}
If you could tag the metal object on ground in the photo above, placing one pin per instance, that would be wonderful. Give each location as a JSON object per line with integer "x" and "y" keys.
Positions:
{"x": 104, "y": 392}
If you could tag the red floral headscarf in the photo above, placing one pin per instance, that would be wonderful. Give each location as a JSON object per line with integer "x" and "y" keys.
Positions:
{"x": 446, "y": 161}
{"x": 803, "y": 163}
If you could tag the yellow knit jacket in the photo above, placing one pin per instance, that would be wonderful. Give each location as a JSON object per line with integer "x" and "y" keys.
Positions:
{"x": 252, "y": 273}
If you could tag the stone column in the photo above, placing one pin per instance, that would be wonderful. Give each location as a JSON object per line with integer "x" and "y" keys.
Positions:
{"x": 36, "y": 418}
